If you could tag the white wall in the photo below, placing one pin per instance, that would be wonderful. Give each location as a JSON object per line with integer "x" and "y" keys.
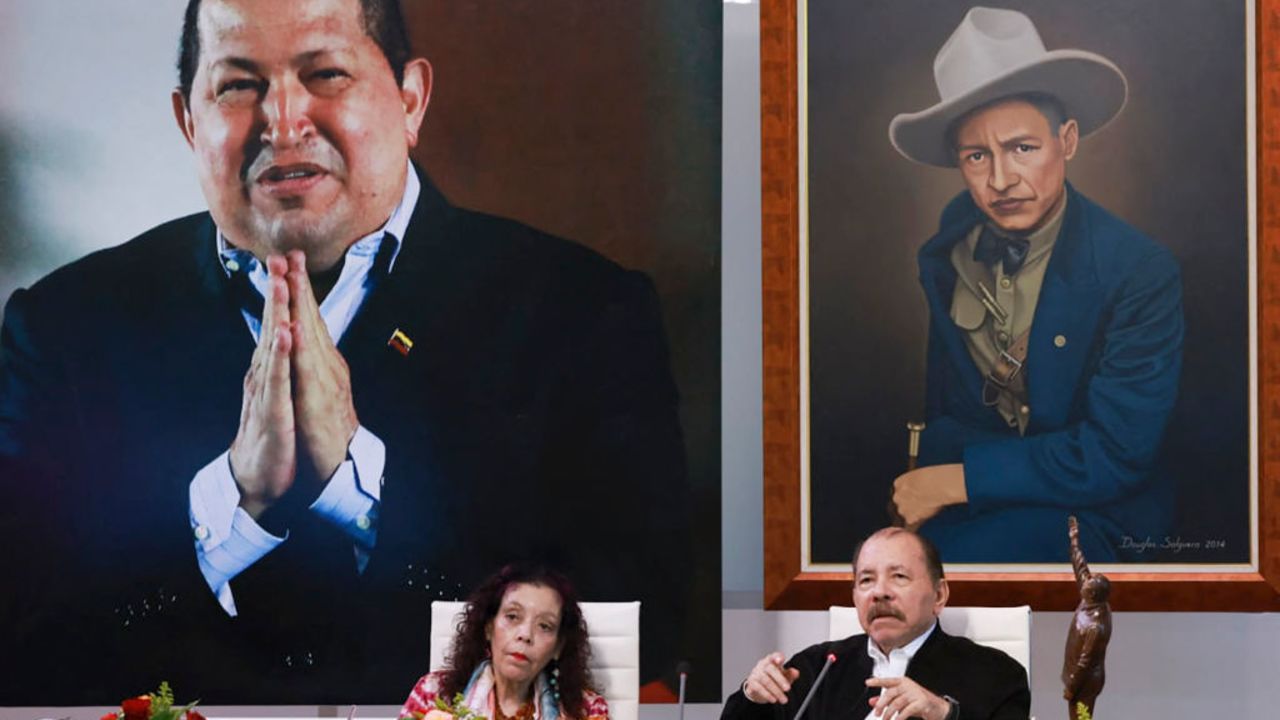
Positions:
{"x": 76, "y": 128}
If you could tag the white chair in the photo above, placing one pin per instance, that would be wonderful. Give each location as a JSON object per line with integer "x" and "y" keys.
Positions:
{"x": 614, "y": 629}
{"x": 1003, "y": 628}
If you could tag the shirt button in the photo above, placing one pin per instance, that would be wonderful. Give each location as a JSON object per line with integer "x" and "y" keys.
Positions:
{"x": 1003, "y": 337}
{"x": 1006, "y": 283}
{"x": 1025, "y": 409}
{"x": 363, "y": 522}
{"x": 202, "y": 532}
{"x": 1060, "y": 341}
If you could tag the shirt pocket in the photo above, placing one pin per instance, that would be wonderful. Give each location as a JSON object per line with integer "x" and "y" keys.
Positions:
{"x": 967, "y": 311}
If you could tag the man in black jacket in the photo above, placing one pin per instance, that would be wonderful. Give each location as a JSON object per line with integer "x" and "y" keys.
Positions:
{"x": 245, "y": 450}
{"x": 904, "y": 667}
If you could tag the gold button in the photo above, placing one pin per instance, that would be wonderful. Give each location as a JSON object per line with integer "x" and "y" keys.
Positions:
{"x": 1006, "y": 283}
{"x": 1003, "y": 336}
{"x": 1024, "y": 410}
{"x": 1059, "y": 340}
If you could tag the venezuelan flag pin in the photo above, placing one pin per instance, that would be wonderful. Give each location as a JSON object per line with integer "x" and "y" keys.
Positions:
{"x": 400, "y": 342}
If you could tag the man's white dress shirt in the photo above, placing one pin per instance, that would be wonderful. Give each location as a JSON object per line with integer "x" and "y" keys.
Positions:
{"x": 227, "y": 539}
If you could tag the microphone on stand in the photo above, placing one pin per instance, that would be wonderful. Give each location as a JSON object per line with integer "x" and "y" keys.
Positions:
{"x": 831, "y": 658}
{"x": 682, "y": 669}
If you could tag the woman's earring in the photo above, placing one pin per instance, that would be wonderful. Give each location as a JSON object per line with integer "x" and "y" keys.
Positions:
{"x": 555, "y": 678}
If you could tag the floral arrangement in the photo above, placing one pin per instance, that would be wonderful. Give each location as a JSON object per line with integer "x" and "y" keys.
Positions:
{"x": 154, "y": 706}
{"x": 445, "y": 710}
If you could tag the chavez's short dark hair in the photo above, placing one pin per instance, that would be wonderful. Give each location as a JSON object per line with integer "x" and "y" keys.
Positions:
{"x": 383, "y": 22}
{"x": 932, "y": 559}
{"x": 1054, "y": 112}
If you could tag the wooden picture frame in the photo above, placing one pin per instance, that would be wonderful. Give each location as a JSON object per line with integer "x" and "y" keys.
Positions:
{"x": 787, "y": 584}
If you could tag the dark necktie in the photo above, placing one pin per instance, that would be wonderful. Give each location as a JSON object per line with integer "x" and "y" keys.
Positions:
{"x": 995, "y": 247}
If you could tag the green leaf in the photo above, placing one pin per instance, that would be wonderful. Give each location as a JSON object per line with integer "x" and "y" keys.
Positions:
{"x": 162, "y": 699}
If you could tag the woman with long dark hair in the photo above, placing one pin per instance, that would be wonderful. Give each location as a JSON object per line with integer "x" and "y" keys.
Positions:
{"x": 520, "y": 652}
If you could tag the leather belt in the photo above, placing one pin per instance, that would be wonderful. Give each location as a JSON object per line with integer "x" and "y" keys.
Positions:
{"x": 1006, "y": 373}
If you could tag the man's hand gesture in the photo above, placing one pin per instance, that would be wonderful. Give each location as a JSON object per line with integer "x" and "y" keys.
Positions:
{"x": 769, "y": 681}
{"x": 264, "y": 453}
{"x": 903, "y": 697}
{"x": 297, "y": 394}
{"x": 322, "y": 406}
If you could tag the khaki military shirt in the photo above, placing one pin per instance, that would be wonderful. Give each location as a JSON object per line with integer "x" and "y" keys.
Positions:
{"x": 985, "y": 334}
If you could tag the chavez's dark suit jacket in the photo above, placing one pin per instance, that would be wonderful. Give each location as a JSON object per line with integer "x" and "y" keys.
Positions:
{"x": 988, "y": 684}
{"x": 535, "y": 417}
{"x": 1102, "y": 369}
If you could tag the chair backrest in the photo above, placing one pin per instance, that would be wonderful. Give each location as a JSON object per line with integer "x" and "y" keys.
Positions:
{"x": 1003, "y": 628}
{"x": 614, "y": 630}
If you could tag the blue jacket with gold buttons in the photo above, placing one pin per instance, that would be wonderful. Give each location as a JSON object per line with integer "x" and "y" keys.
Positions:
{"x": 1102, "y": 374}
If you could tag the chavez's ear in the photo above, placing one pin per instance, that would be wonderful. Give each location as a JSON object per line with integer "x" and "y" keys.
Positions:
{"x": 183, "y": 116}
{"x": 943, "y": 591}
{"x": 1069, "y": 135}
{"x": 415, "y": 93}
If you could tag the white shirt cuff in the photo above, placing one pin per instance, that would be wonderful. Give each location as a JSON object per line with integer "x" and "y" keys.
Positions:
{"x": 350, "y": 498}
{"x": 227, "y": 539}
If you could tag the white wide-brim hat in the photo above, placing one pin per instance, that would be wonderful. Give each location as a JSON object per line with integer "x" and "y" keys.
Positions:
{"x": 996, "y": 53}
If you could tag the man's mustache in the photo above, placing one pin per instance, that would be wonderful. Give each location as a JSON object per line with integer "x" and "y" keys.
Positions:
{"x": 884, "y": 609}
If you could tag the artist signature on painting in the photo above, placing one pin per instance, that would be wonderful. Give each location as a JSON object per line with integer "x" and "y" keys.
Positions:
{"x": 1176, "y": 544}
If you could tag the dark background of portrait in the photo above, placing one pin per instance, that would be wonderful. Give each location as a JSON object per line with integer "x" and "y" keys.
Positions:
{"x": 598, "y": 122}
{"x": 1172, "y": 164}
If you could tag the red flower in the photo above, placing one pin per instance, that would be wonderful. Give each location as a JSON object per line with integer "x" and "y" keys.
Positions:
{"x": 109, "y": 716}
{"x": 193, "y": 715}
{"x": 137, "y": 708}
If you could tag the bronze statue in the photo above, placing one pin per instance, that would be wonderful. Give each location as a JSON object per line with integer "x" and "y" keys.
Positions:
{"x": 1082, "y": 669}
